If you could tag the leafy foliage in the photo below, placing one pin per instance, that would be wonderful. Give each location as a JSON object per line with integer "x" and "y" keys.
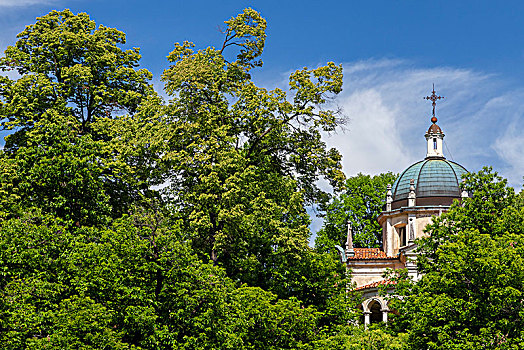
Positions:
{"x": 131, "y": 286}
{"x": 360, "y": 203}
{"x": 359, "y": 338}
{"x": 67, "y": 63}
{"x": 242, "y": 161}
{"x": 57, "y": 172}
{"x": 93, "y": 257}
{"x": 63, "y": 155}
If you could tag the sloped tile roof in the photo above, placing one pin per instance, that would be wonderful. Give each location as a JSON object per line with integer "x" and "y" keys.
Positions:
{"x": 376, "y": 284}
{"x": 370, "y": 253}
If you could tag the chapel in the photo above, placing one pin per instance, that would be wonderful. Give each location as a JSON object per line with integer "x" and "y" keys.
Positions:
{"x": 424, "y": 190}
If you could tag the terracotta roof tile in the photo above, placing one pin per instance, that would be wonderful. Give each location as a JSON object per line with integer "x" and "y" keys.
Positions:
{"x": 376, "y": 284}
{"x": 370, "y": 253}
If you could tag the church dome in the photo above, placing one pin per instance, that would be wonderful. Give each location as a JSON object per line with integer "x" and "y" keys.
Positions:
{"x": 436, "y": 182}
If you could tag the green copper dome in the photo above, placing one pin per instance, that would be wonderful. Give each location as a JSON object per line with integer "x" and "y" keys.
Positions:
{"x": 437, "y": 182}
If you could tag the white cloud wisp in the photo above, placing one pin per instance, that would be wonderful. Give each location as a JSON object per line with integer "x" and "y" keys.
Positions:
{"x": 388, "y": 118}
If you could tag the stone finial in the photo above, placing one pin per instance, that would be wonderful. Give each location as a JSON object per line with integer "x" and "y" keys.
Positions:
{"x": 464, "y": 193}
{"x": 389, "y": 198}
{"x": 350, "y": 252}
{"x": 412, "y": 195}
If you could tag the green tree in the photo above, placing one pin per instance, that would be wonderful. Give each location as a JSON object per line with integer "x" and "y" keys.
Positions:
{"x": 222, "y": 260}
{"x": 360, "y": 203}
{"x": 57, "y": 172}
{"x": 68, "y": 63}
{"x": 358, "y": 338}
{"x": 242, "y": 161}
{"x": 470, "y": 293}
{"x": 62, "y": 155}
{"x": 133, "y": 285}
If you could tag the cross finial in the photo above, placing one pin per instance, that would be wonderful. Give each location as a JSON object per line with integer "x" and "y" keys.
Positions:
{"x": 433, "y": 98}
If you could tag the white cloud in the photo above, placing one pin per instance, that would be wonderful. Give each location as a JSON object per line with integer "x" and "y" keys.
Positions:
{"x": 388, "y": 118}
{"x": 509, "y": 146}
{"x": 372, "y": 142}
{"x": 510, "y": 149}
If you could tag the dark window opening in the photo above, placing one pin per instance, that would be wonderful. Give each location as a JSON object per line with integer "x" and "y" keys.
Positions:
{"x": 376, "y": 314}
{"x": 402, "y": 235}
{"x": 434, "y": 143}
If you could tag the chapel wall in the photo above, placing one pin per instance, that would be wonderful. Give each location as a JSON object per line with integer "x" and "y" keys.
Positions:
{"x": 369, "y": 271}
{"x": 422, "y": 222}
{"x": 392, "y": 223}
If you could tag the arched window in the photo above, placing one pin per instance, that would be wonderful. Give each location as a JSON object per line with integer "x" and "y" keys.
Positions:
{"x": 376, "y": 314}
{"x": 434, "y": 143}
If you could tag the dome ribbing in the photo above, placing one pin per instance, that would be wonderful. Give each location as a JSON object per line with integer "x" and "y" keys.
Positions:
{"x": 433, "y": 178}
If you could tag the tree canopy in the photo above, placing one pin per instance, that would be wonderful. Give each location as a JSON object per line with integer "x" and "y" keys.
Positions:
{"x": 61, "y": 156}
{"x": 131, "y": 286}
{"x": 131, "y": 223}
{"x": 68, "y": 63}
{"x": 359, "y": 204}
{"x": 243, "y": 161}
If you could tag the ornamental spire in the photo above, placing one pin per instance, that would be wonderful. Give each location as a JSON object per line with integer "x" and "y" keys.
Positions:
{"x": 434, "y": 136}
{"x": 433, "y": 98}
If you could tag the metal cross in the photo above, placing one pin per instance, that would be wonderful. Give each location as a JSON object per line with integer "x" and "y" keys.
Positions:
{"x": 433, "y": 98}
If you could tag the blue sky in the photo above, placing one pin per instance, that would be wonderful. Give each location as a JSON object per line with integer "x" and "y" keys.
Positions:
{"x": 483, "y": 35}
{"x": 468, "y": 34}
{"x": 392, "y": 51}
